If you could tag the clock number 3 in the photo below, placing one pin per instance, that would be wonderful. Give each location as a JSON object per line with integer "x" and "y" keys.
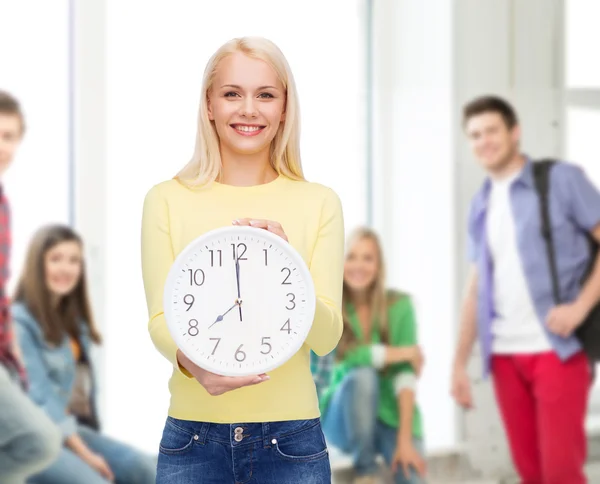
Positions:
{"x": 292, "y": 301}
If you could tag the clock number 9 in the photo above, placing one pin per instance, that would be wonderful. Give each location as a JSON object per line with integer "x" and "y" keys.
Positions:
{"x": 196, "y": 277}
{"x": 193, "y": 329}
{"x": 292, "y": 301}
{"x": 239, "y": 354}
{"x": 189, "y": 300}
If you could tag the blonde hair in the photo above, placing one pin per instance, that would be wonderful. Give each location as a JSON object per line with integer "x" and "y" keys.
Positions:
{"x": 205, "y": 165}
{"x": 379, "y": 297}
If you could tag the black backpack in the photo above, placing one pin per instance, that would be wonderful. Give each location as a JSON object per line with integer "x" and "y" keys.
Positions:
{"x": 589, "y": 332}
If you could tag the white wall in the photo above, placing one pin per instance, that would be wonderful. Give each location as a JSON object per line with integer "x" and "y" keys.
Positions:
{"x": 34, "y": 67}
{"x": 155, "y": 56}
{"x": 415, "y": 183}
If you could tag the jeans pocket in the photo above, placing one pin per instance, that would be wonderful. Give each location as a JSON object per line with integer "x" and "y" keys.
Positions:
{"x": 175, "y": 439}
{"x": 303, "y": 446}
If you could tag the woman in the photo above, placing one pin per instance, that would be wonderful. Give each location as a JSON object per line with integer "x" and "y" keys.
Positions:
{"x": 369, "y": 407}
{"x": 56, "y": 330}
{"x": 246, "y": 170}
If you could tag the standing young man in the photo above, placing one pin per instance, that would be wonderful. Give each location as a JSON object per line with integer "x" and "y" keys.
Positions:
{"x": 541, "y": 376}
{"x": 29, "y": 440}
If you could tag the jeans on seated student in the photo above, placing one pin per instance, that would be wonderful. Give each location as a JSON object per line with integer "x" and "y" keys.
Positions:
{"x": 29, "y": 440}
{"x": 352, "y": 425}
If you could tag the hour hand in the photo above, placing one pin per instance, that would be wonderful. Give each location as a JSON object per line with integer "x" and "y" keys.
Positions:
{"x": 220, "y": 316}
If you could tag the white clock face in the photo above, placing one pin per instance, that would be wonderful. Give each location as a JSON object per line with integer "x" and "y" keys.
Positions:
{"x": 239, "y": 301}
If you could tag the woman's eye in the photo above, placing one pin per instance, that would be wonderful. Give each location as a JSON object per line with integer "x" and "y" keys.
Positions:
{"x": 230, "y": 94}
{"x": 266, "y": 95}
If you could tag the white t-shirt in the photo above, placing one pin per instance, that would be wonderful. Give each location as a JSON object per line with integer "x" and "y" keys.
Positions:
{"x": 517, "y": 328}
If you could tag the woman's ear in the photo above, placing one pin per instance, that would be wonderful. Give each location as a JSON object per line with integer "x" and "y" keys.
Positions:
{"x": 209, "y": 108}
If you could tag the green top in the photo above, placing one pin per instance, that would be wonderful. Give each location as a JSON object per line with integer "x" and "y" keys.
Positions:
{"x": 402, "y": 332}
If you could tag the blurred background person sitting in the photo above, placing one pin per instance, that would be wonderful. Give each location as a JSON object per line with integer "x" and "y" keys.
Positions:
{"x": 56, "y": 330}
{"x": 369, "y": 407}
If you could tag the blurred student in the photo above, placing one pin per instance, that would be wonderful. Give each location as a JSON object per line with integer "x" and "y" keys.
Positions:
{"x": 29, "y": 440}
{"x": 56, "y": 331}
{"x": 369, "y": 407}
{"x": 540, "y": 374}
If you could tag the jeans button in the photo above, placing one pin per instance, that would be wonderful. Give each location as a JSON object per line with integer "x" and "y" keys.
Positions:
{"x": 238, "y": 437}
{"x": 239, "y": 430}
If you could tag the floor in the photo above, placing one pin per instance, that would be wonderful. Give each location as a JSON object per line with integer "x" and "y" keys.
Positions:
{"x": 593, "y": 473}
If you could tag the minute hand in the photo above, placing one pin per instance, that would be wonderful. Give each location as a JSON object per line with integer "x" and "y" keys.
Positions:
{"x": 237, "y": 277}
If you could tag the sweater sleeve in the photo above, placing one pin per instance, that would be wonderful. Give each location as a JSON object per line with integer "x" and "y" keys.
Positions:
{"x": 326, "y": 268}
{"x": 157, "y": 258}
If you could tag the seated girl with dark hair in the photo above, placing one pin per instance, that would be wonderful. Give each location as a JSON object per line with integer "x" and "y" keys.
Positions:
{"x": 56, "y": 330}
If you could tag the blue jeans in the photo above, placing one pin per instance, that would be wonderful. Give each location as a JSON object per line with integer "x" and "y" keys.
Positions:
{"x": 127, "y": 464}
{"x": 289, "y": 452}
{"x": 351, "y": 425}
{"x": 29, "y": 440}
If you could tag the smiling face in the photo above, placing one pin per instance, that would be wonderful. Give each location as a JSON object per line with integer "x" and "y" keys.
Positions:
{"x": 361, "y": 267}
{"x": 246, "y": 103}
{"x": 63, "y": 268}
{"x": 493, "y": 143}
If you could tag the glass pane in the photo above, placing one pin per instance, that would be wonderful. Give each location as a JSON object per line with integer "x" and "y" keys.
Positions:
{"x": 582, "y": 35}
{"x": 583, "y": 126}
{"x": 34, "y": 67}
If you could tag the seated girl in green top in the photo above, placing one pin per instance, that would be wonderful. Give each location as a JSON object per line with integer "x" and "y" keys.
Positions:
{"x": 369, "y": 407}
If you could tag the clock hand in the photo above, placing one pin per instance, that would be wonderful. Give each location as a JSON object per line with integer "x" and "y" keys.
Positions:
{"x": 237, "y": 278}
{"x": 220, "y": 316}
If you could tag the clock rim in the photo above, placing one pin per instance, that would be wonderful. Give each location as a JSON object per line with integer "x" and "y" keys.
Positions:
{"x": 238, "y": 231}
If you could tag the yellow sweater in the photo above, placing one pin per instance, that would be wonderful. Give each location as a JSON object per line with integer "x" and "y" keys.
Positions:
{"x": 311, "y": 217}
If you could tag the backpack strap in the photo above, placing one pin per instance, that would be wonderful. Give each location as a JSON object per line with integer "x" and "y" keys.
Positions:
{"x": 541, "y": 176}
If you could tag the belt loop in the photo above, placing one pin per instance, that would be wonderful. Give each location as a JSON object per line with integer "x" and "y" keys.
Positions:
{"x": 203, "y": 432}
{"x": 266, "y": 437}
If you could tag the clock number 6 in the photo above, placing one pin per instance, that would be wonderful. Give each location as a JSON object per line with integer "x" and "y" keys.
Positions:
{"x": 239, "y": 354}
{"x": 292, "y": 301}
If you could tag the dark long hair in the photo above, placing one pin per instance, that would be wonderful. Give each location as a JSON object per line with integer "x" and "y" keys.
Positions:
{"x": 32, "y": 290}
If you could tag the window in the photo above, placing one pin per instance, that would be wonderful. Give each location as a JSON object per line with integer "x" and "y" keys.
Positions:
{"x": 37, "y": 73}
{"x": 582, "y": 34}
{"x": 582, "y": 111}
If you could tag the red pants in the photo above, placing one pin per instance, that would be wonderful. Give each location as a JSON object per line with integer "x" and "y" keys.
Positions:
{"x": 543, "y": 402}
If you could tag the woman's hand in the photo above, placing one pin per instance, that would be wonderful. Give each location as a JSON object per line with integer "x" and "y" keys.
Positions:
{"x": 97, "y": 462}
{"x": 273, "y": 227}
{"x": 407, "y": 457}
{"x": 217, "y": 384}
